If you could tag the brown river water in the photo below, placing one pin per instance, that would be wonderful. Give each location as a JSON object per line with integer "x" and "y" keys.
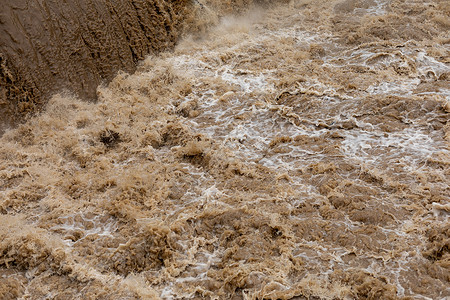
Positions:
{"x": 299, "y": 151}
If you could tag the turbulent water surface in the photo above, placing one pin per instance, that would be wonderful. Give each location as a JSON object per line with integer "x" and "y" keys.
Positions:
{"x": 294, "y": 152}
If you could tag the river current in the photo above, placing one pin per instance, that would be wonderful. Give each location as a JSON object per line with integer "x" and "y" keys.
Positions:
{"x": 299, "y": 151}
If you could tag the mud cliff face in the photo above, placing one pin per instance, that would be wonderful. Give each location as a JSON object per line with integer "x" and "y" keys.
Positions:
{"x": 49, "y": 45}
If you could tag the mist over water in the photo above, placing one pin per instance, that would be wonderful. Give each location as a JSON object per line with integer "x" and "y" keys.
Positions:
{"x": 298, "y": 151}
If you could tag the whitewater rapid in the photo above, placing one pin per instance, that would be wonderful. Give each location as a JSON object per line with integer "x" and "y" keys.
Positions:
{"x": 299, "y": 151}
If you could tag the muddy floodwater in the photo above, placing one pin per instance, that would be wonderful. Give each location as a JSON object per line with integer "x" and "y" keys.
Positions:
{"x": 292, "y": 151}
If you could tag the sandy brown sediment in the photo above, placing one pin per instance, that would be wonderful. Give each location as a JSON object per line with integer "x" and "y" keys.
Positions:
{"x": 270, "y": 158}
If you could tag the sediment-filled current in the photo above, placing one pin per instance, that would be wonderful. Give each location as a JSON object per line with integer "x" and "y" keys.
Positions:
{"x": 293, "y": 151}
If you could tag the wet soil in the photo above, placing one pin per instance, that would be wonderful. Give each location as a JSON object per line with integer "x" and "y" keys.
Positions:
{"x": 49, "y": 46}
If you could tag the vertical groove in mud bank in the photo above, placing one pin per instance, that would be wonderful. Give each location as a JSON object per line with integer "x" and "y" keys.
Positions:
{"x": 49, "y": 45}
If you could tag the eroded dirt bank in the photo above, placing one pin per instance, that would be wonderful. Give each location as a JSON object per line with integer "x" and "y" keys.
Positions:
{"x": 298, "y": 152}
{"x": 47, "y": 46}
